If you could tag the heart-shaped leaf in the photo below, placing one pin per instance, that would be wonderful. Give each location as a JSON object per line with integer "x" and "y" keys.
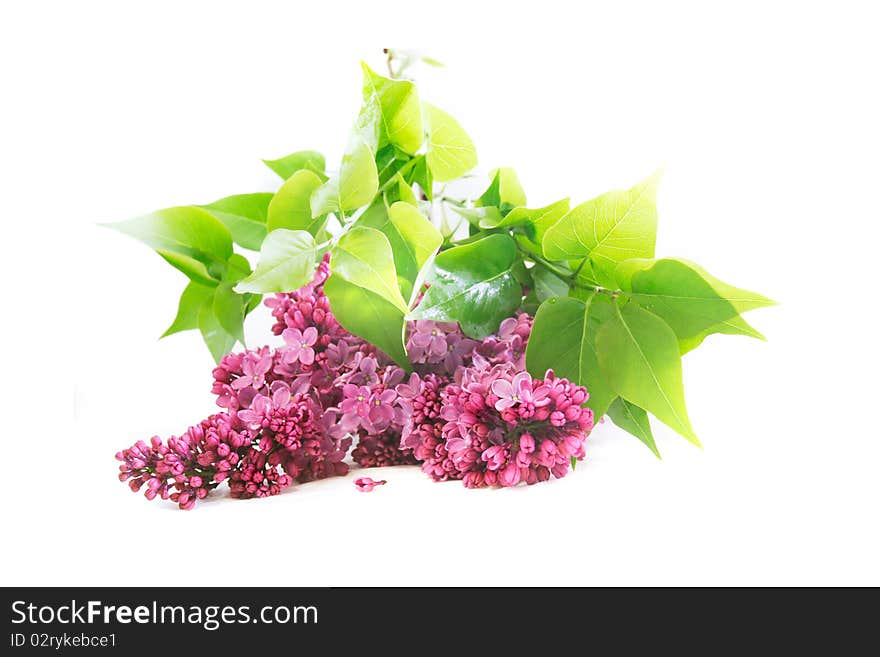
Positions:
{"x": 473, "y": 285}
{"x": 364, "y": 258}
{"x": 450, "y": 152}
{"x": 291, "y": 206}
{"x": 287, "y": 262}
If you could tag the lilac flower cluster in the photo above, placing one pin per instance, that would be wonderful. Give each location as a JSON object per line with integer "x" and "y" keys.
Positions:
{"x": 467, "y": 411}
{"x": 502, "y": 427}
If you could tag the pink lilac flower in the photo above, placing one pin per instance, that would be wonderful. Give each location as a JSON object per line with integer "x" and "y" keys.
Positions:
{"x": 300, "y": 345}
{"x": 441, "y": 345}
{"x": 503, "y": 427}
{"x": 365, "y": 484}
{"x": 384, "y": 449}
{"x": 186, "y": 468}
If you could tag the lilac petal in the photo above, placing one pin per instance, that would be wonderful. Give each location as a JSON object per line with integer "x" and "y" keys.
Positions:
{"x": 310, "y": 336}
{"x": 241, "y": 382}
{"x": 263, "y": 366}
{"x": 522, "y": 383}
{"x": 387, "y": 396}
{"x": 503, "y": 404}
{"x": 350, "y": 390}
{"x": 307, "y": 355}
{"x": 503, "y": 389}
{"x": 281, "y": 397}
{"x": 292, "y": 336}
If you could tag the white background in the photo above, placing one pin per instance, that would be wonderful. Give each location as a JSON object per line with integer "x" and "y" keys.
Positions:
{"x": 765, "y": 116}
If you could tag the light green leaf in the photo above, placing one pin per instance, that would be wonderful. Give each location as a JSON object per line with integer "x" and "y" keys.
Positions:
{"x": 548, "y": 284}
{"x": 450, "y": 152}
{"x": 472, "y": 284}
{"x": 563, "y": 339}
{"x": 186, "y": 230}
{"x": 194, "y": 269}
{"x": 634, "y": 420}
{"x": 399, "y": 190}
{"x": 421, "y": 175}
{"x": 291, "y": 206}
{"x": 685, "y": 295}
{"x": 354, "y": 186}
{"x": 504, "y": 192}
{"x": 245, "y": 217}
{"x": 289, "y": 164}
{"x": 487, "y": 217}
{"x": 610, "y": 228}
{"x": 391, "y": 113}
{"x": 369, "y": 316}
{"x": 413, "y": 239}
{"x": 219, "y": 342}
{"x": 639, "y": 355}
{"x": 530, "y": 225}
{"x": 229, "y": 310}
{"x": 733, "y": 326}
{"x": 237, "y": 267}
{"x": 191, "y": 301}
{"x": 363, "y": 257}
{"x": 287, "y": 262}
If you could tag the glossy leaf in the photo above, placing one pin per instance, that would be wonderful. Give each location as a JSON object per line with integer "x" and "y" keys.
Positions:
{"x": 413, "y": 239}
{"x": 450, "y": 152}
{"x": 291, "y": 206}
{"x": 633, "y": 420}
{"x": 287, "y": 262}
{"x": 685, "y": 295}
{"x": 391, "y": 112}
{"x": 421, "y": 175}
{"x": 364, "y": 258}
{"x": 191, "y": 301}
{"x": 563, "y": 339}
{"x": 245, "y": 217}
{"x": 353, "y": 187}
{"x": 610, "y": 228}
{"x": 639, "y": 355}
{"x": 473, "y": 285}
{"x": 289, "y": 164}
{"x": 368, "y": 315}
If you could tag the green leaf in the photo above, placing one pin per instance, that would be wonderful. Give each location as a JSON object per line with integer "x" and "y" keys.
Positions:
{"x": 413, "y": 239}
{"x": 733, "y": 326}
{"x": 548, "y": 284}
{"x": 505, "y": 191}
{"x": 639, "y": 355}
{"x": 610, "y": 228}
{"x": 529, "y": 226}
{"x": 368, "y": 315}
{"x": 194, "y": 269}
{"x": 287, "y": 262}
{"x": 228, "y": 308}
{"x": 450, "y": 152}
{"x": 685, "y": 295}
{"x": 421, "y": 175}
{"x": 486, "y": 218}
{"x": 289, "y": 164}
{"x": 563, "y": 339}
{"x": 237, "y": 267}
{"x": 363, "y": 257}
{"x": 389, "y": 162}
{"x": 354, "y": 186}
{"x": 219, "y": 342}
{"x": 399, "y": 190}
{"x": 245, "y": 217}
{"x": 391, "y": 113}
{"x": 191, "y": 301}
{"x": 634, "y": 420}
{"x": 186, "y": 230}
{"x": 291, "y": 206}
{"x": 472, "y": 284}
